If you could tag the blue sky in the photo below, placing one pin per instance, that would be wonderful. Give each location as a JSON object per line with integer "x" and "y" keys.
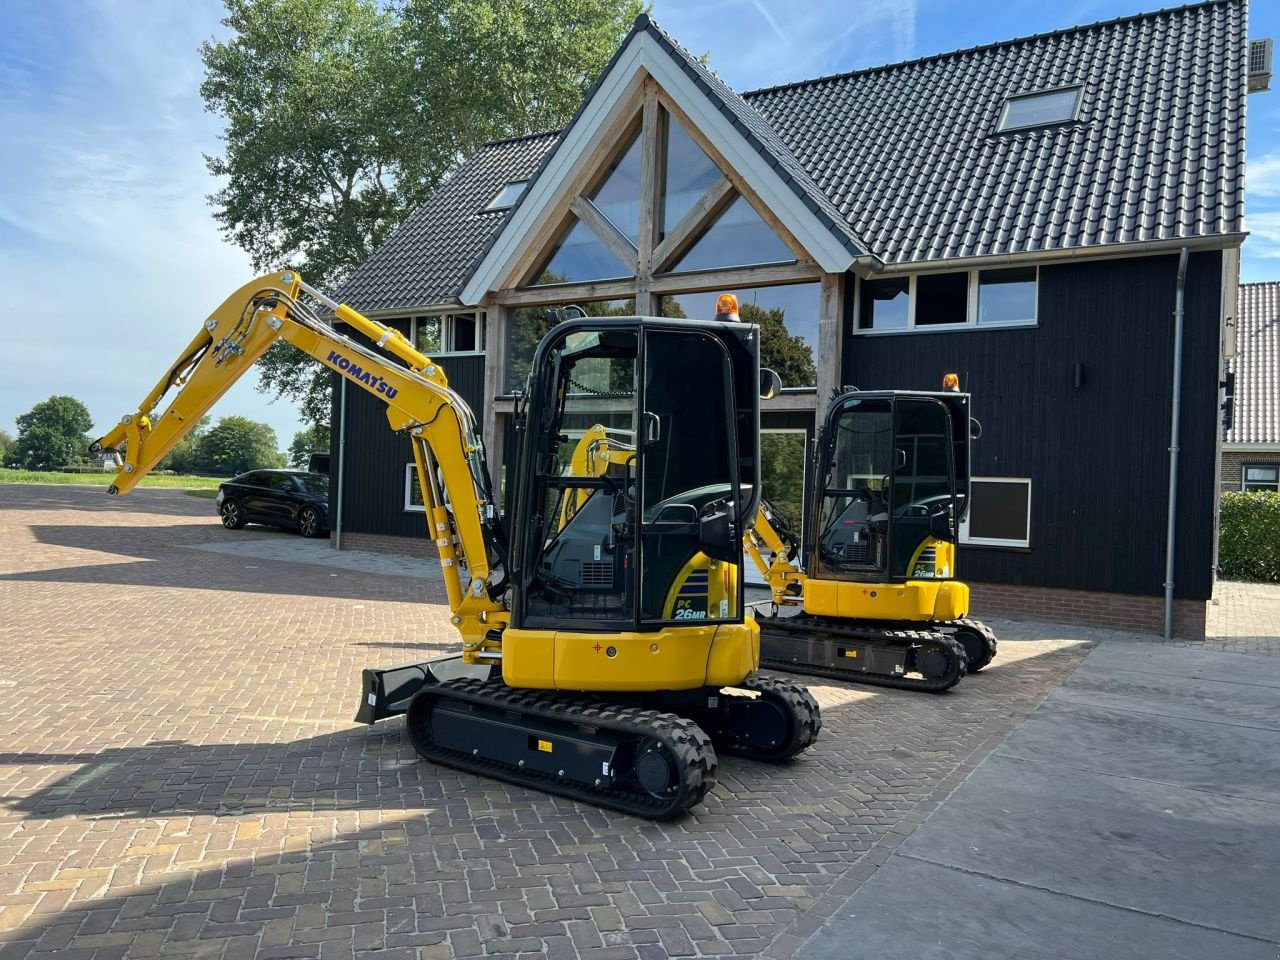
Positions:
{"x": 109, "y": 257}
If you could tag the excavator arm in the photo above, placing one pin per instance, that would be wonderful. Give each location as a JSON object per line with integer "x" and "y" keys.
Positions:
{"x": 769, "y": 552}
{"x": 447, "y": 450}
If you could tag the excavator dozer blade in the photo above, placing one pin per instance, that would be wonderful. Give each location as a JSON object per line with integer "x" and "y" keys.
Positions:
{"x": 386, "y": 691}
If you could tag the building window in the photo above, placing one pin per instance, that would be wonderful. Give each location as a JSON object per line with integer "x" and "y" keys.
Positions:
{"x": 964, "y": 299}
{"x": 941, "y": 298}
{"x": 738, "y": 237}
{"x": 1039, "y": 109}
{"x": 528, "y": 325}
{"x": 449, "y": 333}
{"x": 413, "y": 499}
{"x": 885, "y": 304}
{"x": 788, "y": 319}
{"x": 508, "y": 195}
{"x": 1260, "y": 476}
{"x": 999, "y": 513}
{"x": 1007, "y": 296}
{"x": 579, "y": 257}
{"x": 618, "y": 196}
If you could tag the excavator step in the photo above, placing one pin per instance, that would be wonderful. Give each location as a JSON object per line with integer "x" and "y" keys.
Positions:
{"x": 926, "y": 660}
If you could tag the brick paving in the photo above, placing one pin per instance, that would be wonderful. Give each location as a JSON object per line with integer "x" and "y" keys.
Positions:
{"x": 180, "y": 776}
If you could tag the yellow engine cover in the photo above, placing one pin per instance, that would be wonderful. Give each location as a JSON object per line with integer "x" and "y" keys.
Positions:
{"x": 673, "y": 658}
{"x": 916, "y": 600}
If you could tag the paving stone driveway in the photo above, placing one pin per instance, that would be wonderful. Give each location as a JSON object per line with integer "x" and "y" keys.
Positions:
{"x": 180, "y": 776}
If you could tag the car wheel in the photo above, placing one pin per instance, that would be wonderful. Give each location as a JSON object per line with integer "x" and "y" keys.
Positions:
{"x": 232, "y": 514}
{"x": 309, "y": 522}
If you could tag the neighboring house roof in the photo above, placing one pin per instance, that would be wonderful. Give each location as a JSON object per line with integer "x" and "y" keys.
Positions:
{"x": 1257, "y": 365}
{"x": 902, "y": 162}
{"x": 428, "y": 258}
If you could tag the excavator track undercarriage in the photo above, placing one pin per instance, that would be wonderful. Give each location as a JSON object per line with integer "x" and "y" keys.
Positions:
{"x": 652, "y": 755}
{"x": 862, "y": 651}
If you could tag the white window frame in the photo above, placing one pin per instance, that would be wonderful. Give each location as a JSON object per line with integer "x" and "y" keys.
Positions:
{"x": 1244, "y": 475}
{"x": 992, "y": 541}
{"x": 970, "y": 321}
{"x": 447, "y": 331}
{"x": 411, "y": 474}
{"x": 752, "y": 575}
{"x": 1032, "y": 94}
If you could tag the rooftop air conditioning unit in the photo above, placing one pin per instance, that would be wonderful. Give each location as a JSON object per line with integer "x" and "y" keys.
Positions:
{"x": 1259, "y": 65}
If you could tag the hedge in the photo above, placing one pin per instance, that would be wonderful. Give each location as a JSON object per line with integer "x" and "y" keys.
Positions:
{"x": 1249, "y": 537}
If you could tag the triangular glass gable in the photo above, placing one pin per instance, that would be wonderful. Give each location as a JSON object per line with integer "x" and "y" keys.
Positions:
{"x": 618, "y": 197}
{"x": 737, "y": 238}
{"x": 687, "y": 174}
{"x": 579, "y": 257}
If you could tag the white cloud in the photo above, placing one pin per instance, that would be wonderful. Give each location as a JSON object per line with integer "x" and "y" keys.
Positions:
{"x": 109, "y": 256}
{"x": 787, "y": 41}
{"x": 1262, "y": 175}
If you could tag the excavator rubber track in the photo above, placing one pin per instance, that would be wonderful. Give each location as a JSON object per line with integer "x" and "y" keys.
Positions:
{"x": 862, "y": 652}
{"x": 978, "y": 640}
{"x": 644, "y": 762}
{"x": 775, "y": 721}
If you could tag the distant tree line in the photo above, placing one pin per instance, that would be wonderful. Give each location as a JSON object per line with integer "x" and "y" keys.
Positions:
{"x": 56, "y": 433}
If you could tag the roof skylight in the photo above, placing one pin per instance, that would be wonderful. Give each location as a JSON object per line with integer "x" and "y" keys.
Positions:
{"x": 508, "y": 195}
{"x": 1039, "y": 109}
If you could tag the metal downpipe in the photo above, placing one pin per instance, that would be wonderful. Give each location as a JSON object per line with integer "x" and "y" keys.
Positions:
{"x": 1176, "y": 404}
{"x": 342, "y": 459}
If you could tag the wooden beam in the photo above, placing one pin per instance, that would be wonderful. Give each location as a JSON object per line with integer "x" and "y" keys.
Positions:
{"x": 608, "y": 234}
{"x": 765, "y": 275}
{"x": 739, "y": 184}
{"x": 709, "y": 206}
{"x": 497, "y": 322}
{"x": 567, "y": 293}
{"x": 791, "y": 401}
{"x": 829, "y": 359}
{"x": 650, "y": 179}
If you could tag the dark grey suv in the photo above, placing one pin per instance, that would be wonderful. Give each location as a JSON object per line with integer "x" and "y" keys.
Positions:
{"x": 289, "y": 499}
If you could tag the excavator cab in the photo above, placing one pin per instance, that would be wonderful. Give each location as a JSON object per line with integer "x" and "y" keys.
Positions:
{"x": 609, "y": 541}
{"x": 893, "y": 469}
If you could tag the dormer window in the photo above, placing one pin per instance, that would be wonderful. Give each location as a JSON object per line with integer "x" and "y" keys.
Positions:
{"x": 508, "y": 195}
{"x": 1043, "y": 109}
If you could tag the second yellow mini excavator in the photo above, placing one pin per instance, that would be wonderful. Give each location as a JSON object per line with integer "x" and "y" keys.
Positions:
{"x": 577, "y": 674}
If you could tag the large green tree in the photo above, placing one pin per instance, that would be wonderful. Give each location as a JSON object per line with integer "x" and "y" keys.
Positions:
{"x": 6, "y": 441}
{"x": 186, "y": 455}
{"x": 306, "y": 442}
{"x": 51, "y": 435}
{"x": 343, "y": 115}
{"x": 781, "y": 350}
{"x": 238, "y": 444}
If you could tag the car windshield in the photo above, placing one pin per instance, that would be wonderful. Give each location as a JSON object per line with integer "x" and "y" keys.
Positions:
{"x": 313, "y": 482}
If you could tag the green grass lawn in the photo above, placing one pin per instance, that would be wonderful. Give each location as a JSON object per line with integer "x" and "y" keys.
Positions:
{"x": 209, "y": 484}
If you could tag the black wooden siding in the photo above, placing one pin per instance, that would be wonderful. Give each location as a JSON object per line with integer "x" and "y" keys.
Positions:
{"x": 1098, "y": 455}
{"x": 373, "y": 472}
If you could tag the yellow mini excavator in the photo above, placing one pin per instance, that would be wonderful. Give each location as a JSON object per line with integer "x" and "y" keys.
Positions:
{"x": 577, "y": 675}
{"x": 881, "y": 604}
{"x": 889, "y": 483}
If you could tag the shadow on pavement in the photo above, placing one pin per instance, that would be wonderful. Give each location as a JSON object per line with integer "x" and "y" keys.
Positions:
{"x": 159, "y": 556}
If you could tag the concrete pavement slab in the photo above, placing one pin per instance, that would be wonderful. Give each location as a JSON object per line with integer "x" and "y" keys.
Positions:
{"x": 1174, "y": 661}
{"x": 1165, "y": 850}
{"x": 980, "y": 918}
{"x": 1235, "y": 761}
{"x": 1191, "y": 698}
